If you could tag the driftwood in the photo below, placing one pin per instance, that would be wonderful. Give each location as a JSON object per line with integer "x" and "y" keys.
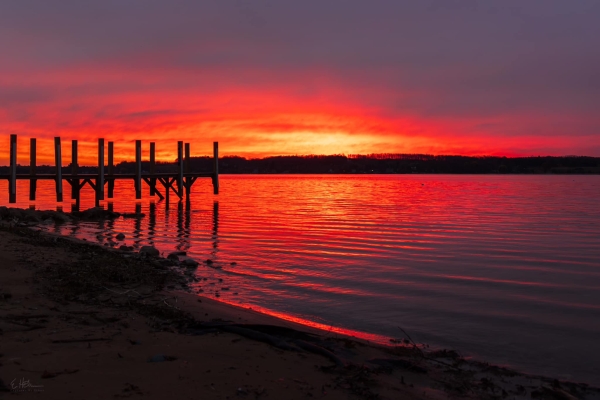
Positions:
{"x": 80, "y": 340}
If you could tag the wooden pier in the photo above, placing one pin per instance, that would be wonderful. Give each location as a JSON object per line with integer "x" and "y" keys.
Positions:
{"x": 179, "y": 183}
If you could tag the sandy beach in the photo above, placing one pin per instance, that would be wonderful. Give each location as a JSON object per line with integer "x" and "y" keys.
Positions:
{"x": 79, "y": 321}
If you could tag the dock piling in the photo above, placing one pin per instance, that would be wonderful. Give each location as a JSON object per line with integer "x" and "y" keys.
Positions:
{"x": 58, "y": 163}
{"x": 111, "y": 169}
{"x": 152, "y": 168}
{"x": 188, "y": 180}
{"x": 100, "y": 179}
{"x": 12, "y": 184}
{"x": 32, "y": 169}
{"x": 180, "y": 169}
{"x": 215, "y": 178}
{"x": 74, "y": 171}
{"x": 138, "y": 169}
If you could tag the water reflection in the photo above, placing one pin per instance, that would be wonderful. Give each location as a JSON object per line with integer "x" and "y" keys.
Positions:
{"x": 137, "y": 226}
{"x": 182, "y": 237}
{"x": 151, "y": 222}
{"x": 145, "y": 228}
{"x": 215, "y": 227}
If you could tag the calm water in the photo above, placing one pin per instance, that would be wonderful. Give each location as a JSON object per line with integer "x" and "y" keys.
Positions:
{"x": 502, "y": 268}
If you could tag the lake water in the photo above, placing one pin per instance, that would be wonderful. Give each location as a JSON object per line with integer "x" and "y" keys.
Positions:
{"x": 502, "y": 268}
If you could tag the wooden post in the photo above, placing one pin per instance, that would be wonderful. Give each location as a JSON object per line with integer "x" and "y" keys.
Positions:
{"x": 32, "y": 169}
{"x": 12, "y": 180}
{"x": 58, "y": 162}
{"x": 100, "y": 181}
{"x": 74, "y": 171}
{"x": 180, "y": 169}
{"x": 152, "y": 168}
{"x": 216, "y": 169}
{"x": 111, "y": 171}
{"x": 187, "y": 158}
{"x": 188, "y": 180}
{"x": 138, "y": 169}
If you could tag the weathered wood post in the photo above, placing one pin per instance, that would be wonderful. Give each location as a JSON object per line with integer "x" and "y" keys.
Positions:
{"x": 100, "y": 179}
{"x": 138, "y": 169}
{"x": 74, "y": 171}
{"x": 111, "y": 169}
{"x": 58, "y": 162}
{"x": 12, "y": 179}
{"x": 215, "y": 178}
{"x": 180, "y": 169}
{"x": 152, "y": 168}
{"x": 32, "y": 168}
{"x": 187, "y": 180}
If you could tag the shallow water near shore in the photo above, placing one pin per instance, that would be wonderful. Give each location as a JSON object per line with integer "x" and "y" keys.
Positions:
{"x": 502, "y": 268}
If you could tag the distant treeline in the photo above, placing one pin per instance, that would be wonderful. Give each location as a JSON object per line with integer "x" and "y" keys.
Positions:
{"x": 367, "y": 164}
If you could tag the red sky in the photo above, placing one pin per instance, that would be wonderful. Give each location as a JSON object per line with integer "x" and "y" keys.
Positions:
{"x": 302, "y": 77}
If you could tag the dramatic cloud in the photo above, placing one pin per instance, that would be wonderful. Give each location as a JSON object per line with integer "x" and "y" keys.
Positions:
{"x": 288, "y": 77}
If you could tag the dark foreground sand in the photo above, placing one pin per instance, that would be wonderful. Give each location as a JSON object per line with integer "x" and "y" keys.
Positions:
{"x": 82, "y": 322}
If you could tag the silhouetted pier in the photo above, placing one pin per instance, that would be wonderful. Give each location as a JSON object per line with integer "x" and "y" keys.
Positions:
{"x": 180, "y": 183}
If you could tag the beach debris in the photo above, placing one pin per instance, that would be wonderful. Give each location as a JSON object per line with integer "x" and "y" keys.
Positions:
{"x": 32, "y": 216}
{"x": 233, "y": 263}
{"x": 174, "y": 255}
{"x": 80, "y": 340}
{"x": 47, "y": 375}
{"x": 5, "y": 295}
{"x": 208, "y": 261}
{"x": 161, "y": 358}
{"x": 391, "y": 363}
{"x": 149, "y": 251}
{"x": 129, "y": 387}
{"x": 189, "y": 262}
{"x": 120, "y": 236}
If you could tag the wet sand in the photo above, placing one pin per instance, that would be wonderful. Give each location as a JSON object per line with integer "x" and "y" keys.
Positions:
{"x": 81, "y": 321}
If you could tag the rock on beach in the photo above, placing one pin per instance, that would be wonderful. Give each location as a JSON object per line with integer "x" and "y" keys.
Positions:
{"x": 150, "y": 251}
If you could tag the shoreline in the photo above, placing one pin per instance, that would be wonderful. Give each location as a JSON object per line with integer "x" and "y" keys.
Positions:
{"x": 52, "y": 278}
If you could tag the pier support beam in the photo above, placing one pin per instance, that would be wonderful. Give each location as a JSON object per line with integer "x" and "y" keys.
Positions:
{"x": 138, "y": 169}
{"x": 215, "y": 177}
{"x": 74, "y": 171}
{"x": 100, "y": 179}
{"x": 58, "y": 163}
{"x": 32, "y": 168}
{"x": 152, "y": 168}
{"x": 12, "y": 179}
{"x": 188, "y": 180}
{"x": 111, "y": 169}
{"x": 180, "y": 169}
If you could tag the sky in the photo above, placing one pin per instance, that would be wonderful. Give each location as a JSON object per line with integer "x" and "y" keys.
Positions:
{"x": 510, "y": 77}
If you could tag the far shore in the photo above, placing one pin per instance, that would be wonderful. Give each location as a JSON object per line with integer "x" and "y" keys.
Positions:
{"x": 83, "y": 321}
